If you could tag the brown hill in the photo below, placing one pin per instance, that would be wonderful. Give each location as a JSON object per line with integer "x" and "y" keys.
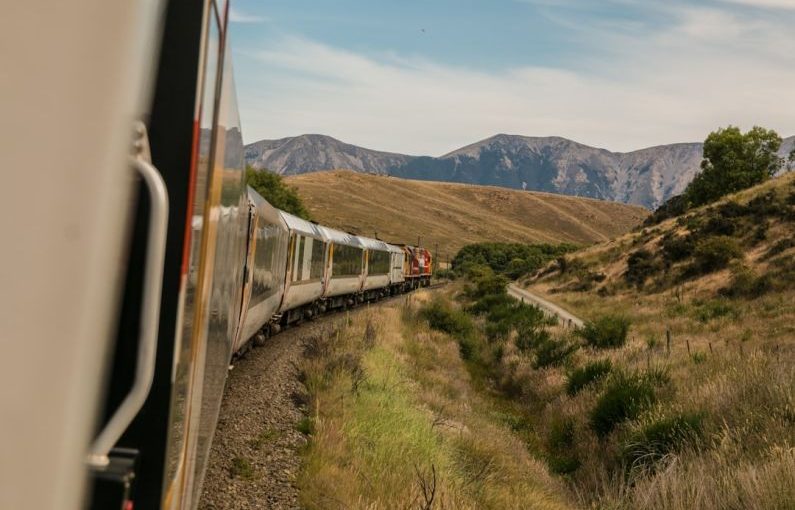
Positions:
{"x": 454, "y": 215}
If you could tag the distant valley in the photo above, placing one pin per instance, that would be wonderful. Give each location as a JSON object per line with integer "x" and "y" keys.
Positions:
{"x": 645, "y": 177}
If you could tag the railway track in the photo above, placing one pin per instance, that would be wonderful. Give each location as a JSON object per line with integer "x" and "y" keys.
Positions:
{"x": 254, "y": 459}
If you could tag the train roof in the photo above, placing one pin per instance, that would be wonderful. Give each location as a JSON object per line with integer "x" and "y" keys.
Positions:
{"x": 374, "y": 244}
{"x": 339, "y": 237}
{"x": 300, "y": 225}
{"x": 264, "y": 208}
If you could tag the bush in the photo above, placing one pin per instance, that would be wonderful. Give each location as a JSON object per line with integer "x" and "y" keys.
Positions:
{"x": 676, "y": 248}
{"x": 553, "y": 353}
{"x": 719, "y": 226}
{"x": 586, "y": 375}
{"x": 506, "y": 315}
{"x": 487, "y": 283}
{"x": 560, "y": 442}
{"x": 745, "y": 283}
{"x": 661, "y": 437}
{"x": 490, "y": 301}
{"x": 606, "y": 332}
{"x": 440, "y": 316}
{"x": 625, "y": 397}
{"x": 715, "y": 253}
{"x": 641, "y": 265}
{"x": 714, "y": 309}
{"x": 272, "y": 188}
{"x": 241, "y": 468}
{"x": 674, "y": 206}
{"x": 766, "y": 205}
{"x": 511, "y": 259}
{"x": 732, "y": 209}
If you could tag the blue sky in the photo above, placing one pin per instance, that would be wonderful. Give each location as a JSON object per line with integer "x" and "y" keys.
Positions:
{"x": 428, "y": 76}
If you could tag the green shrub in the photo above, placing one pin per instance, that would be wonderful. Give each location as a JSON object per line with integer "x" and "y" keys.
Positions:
{"x": 562, "y": 458}
{"x": 241, "y": 468}
{"x": 713, "y": 309}
{"x": 606, "y": 331}
{"x": 714, "y": 253}
{"x": 624, "y": 398}
{"x": 306, "y": 426}
{"x": 641, "y": 265}
{"x": 719, "y": 226}
{"x": 446, "y": 274}
{"x": 674, "y": 206}
{"x": 529, "y": 339}
{"x": 732, "y": 209}
{"x": 676, "y": 248}
{"x": 486, "y": 303}
{"x": 768, "y": 205}
{"x": 440, "y": 316}
{"x": 504, "y": 316}
{"x": 586, "y": 375}
{"x": 553, "y": 353}
{"x": 511, "y": 259}
{"x": 487, "y": 283}
{"x": 745, "y": 283}
{"x": 660, "y": 438}
{"x": 272, "y": 188}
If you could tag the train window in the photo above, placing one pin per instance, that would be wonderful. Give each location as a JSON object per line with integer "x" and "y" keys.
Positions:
{"x": 318, "y": 259}
{"x": 378, "y": 262}
{"x": 347, "y": 261}
{"x": 264, "y": 282}
{"x": 299, "y": 259}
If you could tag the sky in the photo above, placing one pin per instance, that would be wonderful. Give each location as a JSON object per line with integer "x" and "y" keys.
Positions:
{"x": 426, "y": 77}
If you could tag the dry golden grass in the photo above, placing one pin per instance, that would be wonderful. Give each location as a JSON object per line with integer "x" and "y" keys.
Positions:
{"x": 736, "y": 368}
{"x": 454, "y": 215}
{"x": 414, "y": 414}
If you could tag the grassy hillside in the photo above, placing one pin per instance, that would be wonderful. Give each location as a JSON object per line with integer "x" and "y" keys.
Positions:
{"x": 699, "y": 398}
{"x": 455, "y": 215}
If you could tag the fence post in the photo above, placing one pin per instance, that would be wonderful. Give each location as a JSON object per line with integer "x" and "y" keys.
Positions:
{"x": 668, "y": 340}
{"x": 688, "y": 346}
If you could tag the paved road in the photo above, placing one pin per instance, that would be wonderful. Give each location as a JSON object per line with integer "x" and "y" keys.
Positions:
{"x": 551, "y": 308}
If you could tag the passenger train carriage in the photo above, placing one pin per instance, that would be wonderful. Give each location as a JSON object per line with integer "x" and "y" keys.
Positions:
{"x": 167, "y": 264}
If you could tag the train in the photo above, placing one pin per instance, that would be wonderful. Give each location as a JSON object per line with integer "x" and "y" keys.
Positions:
{"x": 295, "y": 270}
{"x": 138, "y": 263}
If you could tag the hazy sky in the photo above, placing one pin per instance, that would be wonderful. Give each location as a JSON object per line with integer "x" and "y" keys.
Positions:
{"x": 428, "y": 76}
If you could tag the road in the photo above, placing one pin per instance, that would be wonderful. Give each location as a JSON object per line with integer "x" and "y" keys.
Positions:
{"x": 550, "y": 308}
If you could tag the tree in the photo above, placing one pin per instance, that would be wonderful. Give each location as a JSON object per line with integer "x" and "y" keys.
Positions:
{"x": 273, "y": 189}
{"x": 734, "y": 161}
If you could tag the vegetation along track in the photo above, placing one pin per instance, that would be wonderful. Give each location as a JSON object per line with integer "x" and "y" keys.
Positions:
{"x": 255, "y": 455}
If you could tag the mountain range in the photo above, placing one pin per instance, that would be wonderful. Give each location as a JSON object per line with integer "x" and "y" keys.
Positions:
{"x": 645, "y": 177}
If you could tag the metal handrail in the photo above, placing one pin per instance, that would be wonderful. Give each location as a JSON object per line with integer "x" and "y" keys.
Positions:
{"x": 149, "y": 318}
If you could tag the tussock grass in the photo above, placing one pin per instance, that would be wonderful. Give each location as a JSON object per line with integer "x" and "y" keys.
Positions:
{"x": 414, "y": 429}
{"x": 711, "y": 338}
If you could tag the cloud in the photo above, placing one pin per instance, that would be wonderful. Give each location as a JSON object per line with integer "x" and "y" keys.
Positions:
{"x": 765, "y": 4}
{"x": 709, "y": 69}
{"x": 236, "y": 16}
